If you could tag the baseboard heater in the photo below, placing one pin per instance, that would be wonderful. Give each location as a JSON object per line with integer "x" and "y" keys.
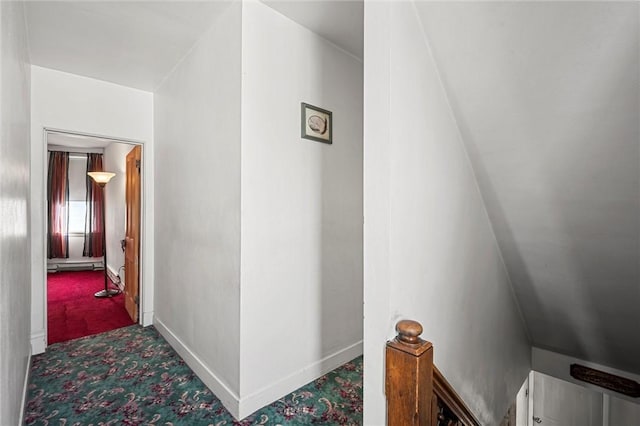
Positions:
{"x": 75, "y": 266}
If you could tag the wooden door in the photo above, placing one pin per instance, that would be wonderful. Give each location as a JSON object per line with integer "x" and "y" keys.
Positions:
{"x": 132, "y": 234}
{"x": 560, "y": 403}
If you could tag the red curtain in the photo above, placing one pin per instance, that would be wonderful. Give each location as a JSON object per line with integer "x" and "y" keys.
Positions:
{"x": 58, "y": 205}
{"x": 94, "y": 222}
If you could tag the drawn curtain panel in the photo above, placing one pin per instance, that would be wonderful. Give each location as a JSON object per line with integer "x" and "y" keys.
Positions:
{"x": 58, "y": 205}
{"x": 93, "y": 225}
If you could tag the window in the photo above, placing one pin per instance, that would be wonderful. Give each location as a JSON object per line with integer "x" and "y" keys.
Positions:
{"x": 77, "y": 213}
{"x": 77, "y": 193}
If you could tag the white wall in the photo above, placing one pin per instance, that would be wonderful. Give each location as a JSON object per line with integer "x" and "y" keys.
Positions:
{"x": 14, "y": 202}
{"x": 301, "y": 302}
{"x": 301, "y": 208}
{"x": 197, "y": 215}
{"x": 550, "y": 120}
{"x": 79, "y": 104}
{"x": 115, "y": 160}
{"x": 430, "y": 252}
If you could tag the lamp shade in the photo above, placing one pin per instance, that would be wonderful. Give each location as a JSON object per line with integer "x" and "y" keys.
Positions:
{"x": 101, "y": 178}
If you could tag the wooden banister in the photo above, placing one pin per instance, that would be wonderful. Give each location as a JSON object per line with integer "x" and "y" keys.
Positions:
{"x": 417, "y": 392}
{"x": 448, "y": 400}
{"x": 409, "y": 377}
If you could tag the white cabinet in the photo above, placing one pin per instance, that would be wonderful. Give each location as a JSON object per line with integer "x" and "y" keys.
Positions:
{"x": 623, "y": 413}
{"x": 557, "y": 402}
{"x": 560, "y": 403}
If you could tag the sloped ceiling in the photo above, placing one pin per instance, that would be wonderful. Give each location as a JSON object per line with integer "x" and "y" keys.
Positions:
{"x": 546, "y": 95}
{"x": 339, "y": 21}
{"x": 137, "y": 43}
{"x": 134, "y": 43}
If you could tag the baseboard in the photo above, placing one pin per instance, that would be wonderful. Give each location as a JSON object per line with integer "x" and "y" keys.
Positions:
{"x": 38, "y": 342}
{"x": 84, "y": 264}
{"x": 147, "y": 318}
{"x": 25, "y": 389}
{"x": 273, "y": 392}
{"x": 241, "y": 408}
{"x": 228, "y": 398}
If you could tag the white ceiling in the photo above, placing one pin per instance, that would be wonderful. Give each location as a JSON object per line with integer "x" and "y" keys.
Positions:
{"x": 135, "y": 43}
{"x": 546, "y": 95}
{"x": 339, "y": 21}
{"x": 69, "y": 140}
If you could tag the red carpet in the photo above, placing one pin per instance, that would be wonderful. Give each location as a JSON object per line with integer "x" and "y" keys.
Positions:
{"x": 73, "y": 312}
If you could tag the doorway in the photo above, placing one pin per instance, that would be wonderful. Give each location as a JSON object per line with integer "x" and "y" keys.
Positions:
{"x": 92, "y": 221}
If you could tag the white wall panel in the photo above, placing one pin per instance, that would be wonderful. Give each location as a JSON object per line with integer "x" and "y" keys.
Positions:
{"x": 73, "y": 103}
{"x": 301, "y": 208}
{"x": 430, "y": 251}
{"x": 14, "y": 204}
{"x": 197, "y": 215}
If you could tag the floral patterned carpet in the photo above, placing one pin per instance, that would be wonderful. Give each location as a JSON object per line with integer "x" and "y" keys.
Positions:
{"x": 131, "y": 376}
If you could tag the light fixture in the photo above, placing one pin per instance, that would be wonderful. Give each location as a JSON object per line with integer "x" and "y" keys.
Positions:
{"x": 102, "y": 178}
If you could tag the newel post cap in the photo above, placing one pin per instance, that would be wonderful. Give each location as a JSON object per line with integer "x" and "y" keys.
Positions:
{"x": 409, "y": 331}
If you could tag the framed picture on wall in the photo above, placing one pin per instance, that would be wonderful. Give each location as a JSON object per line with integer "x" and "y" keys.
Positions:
{"x": 316, "y": 123}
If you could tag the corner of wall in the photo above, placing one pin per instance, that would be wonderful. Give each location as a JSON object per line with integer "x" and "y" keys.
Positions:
{"x": 378, "y": 319}
{"x": 38, "y": 342}
{"x": 229, "y": 399}
{"x": 25, "y": 390}
{"x": 274, "y": 391}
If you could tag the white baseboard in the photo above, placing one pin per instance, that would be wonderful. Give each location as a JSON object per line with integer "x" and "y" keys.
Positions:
{"x": 77, "y": 264}
{"x": 220, "y": 389}
{"x": 38, "y": 342}
{"x": 25, "y": 389}
{"x": 147, "y": 318}
{"x": 277, "y": 390}
{"x": 243, "y": 407}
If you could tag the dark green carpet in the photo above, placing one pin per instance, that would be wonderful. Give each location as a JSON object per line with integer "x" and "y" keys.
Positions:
{"x": 131, "y": 376}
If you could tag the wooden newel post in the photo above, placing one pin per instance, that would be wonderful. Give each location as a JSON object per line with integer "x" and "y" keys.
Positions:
{"x": 409, "y": 377}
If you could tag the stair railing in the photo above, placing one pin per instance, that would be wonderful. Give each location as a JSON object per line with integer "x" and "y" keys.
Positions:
{"x": 417, "y": 392}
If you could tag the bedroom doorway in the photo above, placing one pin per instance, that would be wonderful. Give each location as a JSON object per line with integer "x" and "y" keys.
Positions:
{"x": 84, "y": 221}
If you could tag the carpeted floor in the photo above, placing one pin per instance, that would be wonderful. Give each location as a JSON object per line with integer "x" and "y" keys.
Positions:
{"x": 73, "y": 311}
{"x": 132, "y": 376}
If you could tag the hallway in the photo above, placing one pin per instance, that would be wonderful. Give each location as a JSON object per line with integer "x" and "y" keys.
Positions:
{"x": 478, "y": 172}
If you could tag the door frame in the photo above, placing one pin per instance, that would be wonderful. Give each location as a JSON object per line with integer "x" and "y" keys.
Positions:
{"x": 146, "y": 244}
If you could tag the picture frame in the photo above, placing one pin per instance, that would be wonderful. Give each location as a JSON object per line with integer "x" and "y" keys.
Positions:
{"x": 316, "y": 123}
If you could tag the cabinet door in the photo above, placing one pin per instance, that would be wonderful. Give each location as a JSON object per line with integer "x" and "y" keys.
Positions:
{"x": 623, "y": 413}
{"x": 560, "y": 403}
